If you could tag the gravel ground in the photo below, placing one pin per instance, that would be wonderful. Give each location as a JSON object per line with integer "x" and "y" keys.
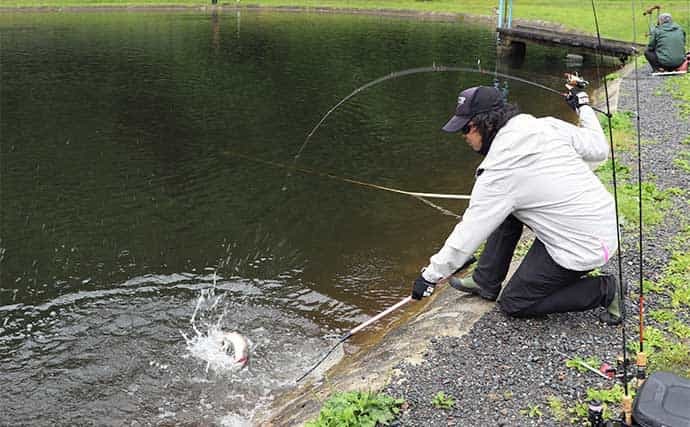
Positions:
{"x": 503, "y": 367}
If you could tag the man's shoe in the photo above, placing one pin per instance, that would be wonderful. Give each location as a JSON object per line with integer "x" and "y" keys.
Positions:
{"x": 613, "y": 314}
{"x": 467, "y": 284}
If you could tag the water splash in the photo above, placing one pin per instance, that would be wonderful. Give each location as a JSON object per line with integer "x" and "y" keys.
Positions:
{"x": 210, "y": 345}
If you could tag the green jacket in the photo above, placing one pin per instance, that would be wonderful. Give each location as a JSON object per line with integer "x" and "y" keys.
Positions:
{"x": 668, "y": 40}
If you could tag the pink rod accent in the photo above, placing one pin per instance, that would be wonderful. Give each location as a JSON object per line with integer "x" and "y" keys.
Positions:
{"x": 606, "y": 251}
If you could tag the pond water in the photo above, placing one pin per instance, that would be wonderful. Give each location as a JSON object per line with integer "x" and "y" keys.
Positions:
{"x": 146, "y": 197}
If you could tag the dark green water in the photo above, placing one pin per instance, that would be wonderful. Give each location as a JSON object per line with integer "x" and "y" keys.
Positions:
{"x": 133, "y": 176}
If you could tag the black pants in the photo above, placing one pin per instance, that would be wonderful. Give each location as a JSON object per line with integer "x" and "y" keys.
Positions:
{"x": 539, "y": 286}
{"x": 653, "y": 60}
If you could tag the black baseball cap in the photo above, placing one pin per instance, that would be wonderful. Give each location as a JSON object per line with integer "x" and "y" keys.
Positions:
{"x": 471, "y": 102}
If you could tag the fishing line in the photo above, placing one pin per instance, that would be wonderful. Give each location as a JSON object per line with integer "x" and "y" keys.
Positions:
{"x": 432, "y": 69}
{"x": 419, "y": 196}
{"x": 627, "y": 400}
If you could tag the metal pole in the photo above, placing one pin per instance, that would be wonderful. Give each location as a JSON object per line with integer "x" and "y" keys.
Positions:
{"x": 501, "y": 8}
{"x": 510, "y": 14}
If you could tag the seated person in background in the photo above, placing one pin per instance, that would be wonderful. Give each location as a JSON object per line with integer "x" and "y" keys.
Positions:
{"x": 666, "y": 48}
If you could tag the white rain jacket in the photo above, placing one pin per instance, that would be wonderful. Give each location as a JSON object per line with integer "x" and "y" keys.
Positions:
{"x": 539, "y": 170}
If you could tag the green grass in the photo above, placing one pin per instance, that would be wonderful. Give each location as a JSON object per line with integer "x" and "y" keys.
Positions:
{"x": 556, "y": 408}
{"x": 443, "y": 401}
{"x": 533, "y": 411}
{"x": 655, "y": 202}
{"x": 615, "y": 16}
{"x": 624, "y": 136}
{"x": 682, "y": 161}
{"x": 357, "y": 408}
{"x": 667, "y": 342}
{"x": 680, "y": 90}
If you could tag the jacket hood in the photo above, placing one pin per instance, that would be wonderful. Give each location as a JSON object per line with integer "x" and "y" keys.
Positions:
{"x": 669, "y": 26}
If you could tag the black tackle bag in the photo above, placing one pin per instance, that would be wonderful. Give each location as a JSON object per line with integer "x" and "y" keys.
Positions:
{"x": 663, "y": 400}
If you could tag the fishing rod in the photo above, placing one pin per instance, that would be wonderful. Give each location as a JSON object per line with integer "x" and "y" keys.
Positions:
{"x": 641, "y": 361}
{"x": 432, "y": 69}
{"x": 379, "y": 316}
{"x": 626, "y": 402}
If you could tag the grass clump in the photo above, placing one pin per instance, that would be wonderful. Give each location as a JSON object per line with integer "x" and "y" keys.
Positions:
{"x": 675, "y": 281}
{"x": 556, "y": 408}
{"x": 608, "y": 397}
{"x": 443, "y": 401}
{"x": 356, "y": 409}
{"x": 534, "y": 411}
{"x": 682, "y": 161}
{"x": 668, "y": 347}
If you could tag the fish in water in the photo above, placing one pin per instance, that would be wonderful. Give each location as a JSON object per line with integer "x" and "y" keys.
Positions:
{"x": 239, "y": 346}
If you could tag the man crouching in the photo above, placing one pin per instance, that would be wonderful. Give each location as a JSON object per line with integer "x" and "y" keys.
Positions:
{"x": 536, "y": 173}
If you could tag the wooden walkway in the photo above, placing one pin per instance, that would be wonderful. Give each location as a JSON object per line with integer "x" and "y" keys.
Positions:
{"x": 578, "y": 43}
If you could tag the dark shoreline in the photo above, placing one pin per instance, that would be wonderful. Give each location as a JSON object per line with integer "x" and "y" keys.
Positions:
{"x": 444, "y": 16}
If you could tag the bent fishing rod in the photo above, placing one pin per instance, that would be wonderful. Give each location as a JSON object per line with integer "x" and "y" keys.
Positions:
{"x": 419, "y": 195}
{"x": 432, "y": 69}
{"x": 379, "y": 316}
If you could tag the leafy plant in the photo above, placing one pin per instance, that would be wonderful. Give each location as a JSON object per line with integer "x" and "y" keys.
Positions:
{"x": 674, "y": 357}
{"x": 676, "y": 278}
{"x": 683, "y": 161}
{"x": 443, "y": 401}
{"x": 556, "y": 408}
{"x": 663, "y": 316}
{"x": 653, "y": 337}
{"x": 356, "y": 409}
{"x": 605, "y": 171}
{"x": 533, "y": 411}
{"x": 611, "y": 395}
{"x": 652, "y": 286}
{"x": 614, "y": 395}
{"x": 680, "y": 329}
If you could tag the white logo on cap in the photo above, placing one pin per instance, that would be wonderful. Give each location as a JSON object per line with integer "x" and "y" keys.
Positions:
{"x": 461, "y": 100}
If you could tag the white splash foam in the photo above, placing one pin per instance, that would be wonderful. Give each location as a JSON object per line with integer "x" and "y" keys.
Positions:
{"x": 209, "y": 346}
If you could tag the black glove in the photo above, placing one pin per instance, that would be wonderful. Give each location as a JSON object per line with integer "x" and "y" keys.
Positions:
{"x": 577, "y": 98}
{"x": 422, "y": 288}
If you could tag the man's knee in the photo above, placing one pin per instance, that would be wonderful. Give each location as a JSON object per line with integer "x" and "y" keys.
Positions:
{"x": 513, "y": 306}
